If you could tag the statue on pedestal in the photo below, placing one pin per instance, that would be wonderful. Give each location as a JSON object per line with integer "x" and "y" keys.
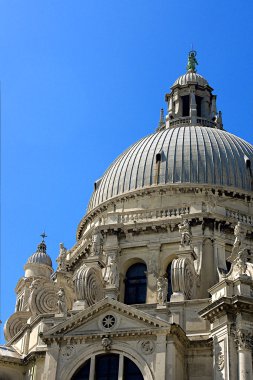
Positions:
{"x": 184, "y": 229}
{"x": 61, "y": 303}
{"x": 162, "y": 289}
{"x": 97, "y": 241}
{"x": 61, "y": 259}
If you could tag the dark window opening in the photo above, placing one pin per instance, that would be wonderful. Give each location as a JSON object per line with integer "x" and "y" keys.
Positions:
{"x": 169, "y": 281}
{"x": 136, "y": 284}
{"x": 107, "y": 367}
{"x": 131, "y": 371}
{"x": 186, "y": 105}
{"x": 198, "y": 103}
{"x": 158, "y": 157}
{"x": 83, "y": 373}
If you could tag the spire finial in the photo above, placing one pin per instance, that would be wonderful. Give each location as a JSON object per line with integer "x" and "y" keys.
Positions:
{"x": 161, "y": 123}
{"x": 43, "y": 235}
{"x": 192, "y": 61}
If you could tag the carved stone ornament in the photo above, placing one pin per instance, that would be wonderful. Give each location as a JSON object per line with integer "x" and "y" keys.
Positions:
{"x": 15, "y": 323}
{"x": 106, "y": 343}
{"x": 220, "y": 361}
{"x": 244, "y": 339}
{"x": 67, "y": 351}
{"x": 147, "y": 347}
{"x": 89, "y": 284}
{"x": 183, "y": 277}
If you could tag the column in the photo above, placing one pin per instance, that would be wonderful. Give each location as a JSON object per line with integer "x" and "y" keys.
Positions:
{"x": 244, "y": 341}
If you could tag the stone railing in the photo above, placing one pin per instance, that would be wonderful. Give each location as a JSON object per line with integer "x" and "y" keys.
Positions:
{"x": 128, "y": 217}
{"x": 205, "y": 122}
{"x": 180, "y": 121}
{"x": 187, "y": 121}
{"x": 240, "y": 217}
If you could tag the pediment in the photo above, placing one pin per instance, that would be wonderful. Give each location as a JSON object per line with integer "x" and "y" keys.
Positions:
{"x": 107, "y": 316}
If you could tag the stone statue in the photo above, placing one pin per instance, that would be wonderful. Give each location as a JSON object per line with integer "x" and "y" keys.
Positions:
{"x": 162, "y": 289}
{"x": 218, "y": 120}
{"x": 184, "y": 230}
{"x": 241, "y": 261}
{"x": 239, "y": 236}
{"x": 97, "y": 241}
{"x": 192, "y": 62}
{"x": 61, "y": 303}
{"x": 113, "y": 273}
{"x": 61, "y": 259}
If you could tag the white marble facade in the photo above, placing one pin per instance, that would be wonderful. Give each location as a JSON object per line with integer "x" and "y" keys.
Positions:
{"x": 160, "y": 279}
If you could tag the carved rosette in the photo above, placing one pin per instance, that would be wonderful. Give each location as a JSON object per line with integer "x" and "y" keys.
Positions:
{"x": 89, "y": 284}
{"x": 147, "y": 347}
{"x": 183, "y": 277}
{"x": 15, "y": 323}
{"x": 67, "y": 351}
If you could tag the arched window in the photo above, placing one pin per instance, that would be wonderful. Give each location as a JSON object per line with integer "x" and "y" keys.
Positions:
{"x": 108, "y": 367}
{"x": 136, "y": 284}
{"x": 168, "y": 271}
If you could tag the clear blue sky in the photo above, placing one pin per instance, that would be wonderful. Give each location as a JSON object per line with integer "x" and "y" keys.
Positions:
{"x": 81, "y": 81}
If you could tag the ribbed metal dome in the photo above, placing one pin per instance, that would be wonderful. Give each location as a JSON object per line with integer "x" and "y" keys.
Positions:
{"x": 40, "y": 256}
{"x": 197, "y": 155}
{"x": 191, "y": 76}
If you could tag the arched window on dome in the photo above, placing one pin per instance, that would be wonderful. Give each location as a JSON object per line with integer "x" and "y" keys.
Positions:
{"x": 136, "y": 284}
{"x": 168, "y": 272}
{"x": 108, "y": 367}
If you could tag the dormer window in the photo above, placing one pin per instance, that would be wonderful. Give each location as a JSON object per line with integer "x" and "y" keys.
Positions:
{"x": 186, "y": 105}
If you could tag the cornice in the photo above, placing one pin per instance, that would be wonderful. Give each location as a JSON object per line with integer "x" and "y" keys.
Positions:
{"x": 227, "y": 305}
{"x": 182, "y": 188}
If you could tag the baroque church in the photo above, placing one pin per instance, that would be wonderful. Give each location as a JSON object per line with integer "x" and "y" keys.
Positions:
{"x": 159, "y": 285}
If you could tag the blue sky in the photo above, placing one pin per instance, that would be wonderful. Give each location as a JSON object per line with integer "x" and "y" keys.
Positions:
{"x": 81, "y": 80}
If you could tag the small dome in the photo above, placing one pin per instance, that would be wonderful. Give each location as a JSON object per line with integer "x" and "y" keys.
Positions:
{"x": 187, "y": 155}
{"x": 40, "y": 256}
{"x": 190, "y": 76}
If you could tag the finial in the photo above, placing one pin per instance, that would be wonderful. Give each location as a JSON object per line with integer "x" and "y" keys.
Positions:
{"x": 161, "y": 121}
{"x": 192, "y": 62}
{"x": 43, "y": 235}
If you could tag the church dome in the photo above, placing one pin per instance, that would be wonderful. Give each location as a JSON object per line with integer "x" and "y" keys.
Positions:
{"x": 195, "y": 155}
{"x": 40, "y": 256}
{"x": 191, "y": 77}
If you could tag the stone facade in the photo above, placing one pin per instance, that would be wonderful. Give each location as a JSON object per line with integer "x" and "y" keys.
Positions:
{"x": 187, "y": 246}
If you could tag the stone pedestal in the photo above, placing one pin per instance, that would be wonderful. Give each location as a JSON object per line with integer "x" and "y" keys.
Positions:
{"x": 111, "y": 292}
